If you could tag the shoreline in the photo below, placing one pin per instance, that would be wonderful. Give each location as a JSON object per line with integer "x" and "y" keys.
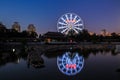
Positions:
{"x": 60, "y": 43}
{"x": 57, "y": 46}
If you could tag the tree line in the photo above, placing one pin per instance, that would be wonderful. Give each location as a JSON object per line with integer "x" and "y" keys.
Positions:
{"x": 84, "y": 36}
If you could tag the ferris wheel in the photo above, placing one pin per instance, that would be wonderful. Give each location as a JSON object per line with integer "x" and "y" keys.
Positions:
{"x": 70, "y": 22}
{"x": 70, "y": 63}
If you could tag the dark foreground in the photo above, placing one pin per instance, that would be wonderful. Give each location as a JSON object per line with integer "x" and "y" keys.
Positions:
{"x": 81, "y": 63}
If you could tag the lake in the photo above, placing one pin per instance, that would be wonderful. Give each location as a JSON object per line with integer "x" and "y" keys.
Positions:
{"x": 86, "y": 64}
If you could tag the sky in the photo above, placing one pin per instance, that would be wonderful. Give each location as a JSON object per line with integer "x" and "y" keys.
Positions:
{"x": 44, "y": 14}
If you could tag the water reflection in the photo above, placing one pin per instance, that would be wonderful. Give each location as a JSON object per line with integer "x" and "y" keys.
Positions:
{"x": 32, "y": 56}
{"x": 98, "y": 62}
{"x": 8, "y": 57}
{"x": 70, "y": 63}
{"x": 34, "y": 59}
{"x": 117, "y": 49}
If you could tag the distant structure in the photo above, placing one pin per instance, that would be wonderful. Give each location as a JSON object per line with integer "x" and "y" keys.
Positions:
{"x": 118, "y": 34}
{"x": 70, "y": 24}
{"x": 31, "y": 28}
{"x": 2, "y": 27}
{"x": 105, "y": 33}
{"x": 16, "y": 26}
{"x": 53, "y": 36}
{"x": 91, "y": 33}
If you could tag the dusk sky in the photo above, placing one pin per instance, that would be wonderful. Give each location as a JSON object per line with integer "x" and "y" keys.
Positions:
{"x": 44, "y": 14}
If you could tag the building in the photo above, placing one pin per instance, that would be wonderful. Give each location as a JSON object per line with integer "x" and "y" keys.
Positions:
{"x": 118, "y": 34}
{"x": 53, "y": 36}
{"x": 31, "y": 28}
{"x": 105, "y": 33}
{"x": 16, "y": 26}
{"x": 2, "y": 28}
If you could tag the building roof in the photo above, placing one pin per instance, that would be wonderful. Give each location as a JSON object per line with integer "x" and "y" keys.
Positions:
{"x": 53, "y": 34}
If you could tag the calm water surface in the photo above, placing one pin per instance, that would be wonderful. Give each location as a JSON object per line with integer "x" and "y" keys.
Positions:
{"x": 63, "y": 65}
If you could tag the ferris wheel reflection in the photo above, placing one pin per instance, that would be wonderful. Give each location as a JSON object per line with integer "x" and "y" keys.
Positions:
{"x": 70, "y": 63}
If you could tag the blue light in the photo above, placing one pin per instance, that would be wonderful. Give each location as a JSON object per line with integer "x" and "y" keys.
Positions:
{"x": 70, "y": 63}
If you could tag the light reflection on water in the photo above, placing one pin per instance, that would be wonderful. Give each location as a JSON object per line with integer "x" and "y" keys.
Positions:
{"x": 95, "y": 65}
{"x": 70, "y": 63}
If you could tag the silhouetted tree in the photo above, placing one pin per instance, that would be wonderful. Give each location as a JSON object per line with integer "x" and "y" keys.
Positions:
{"x": 33, "y": 35}
{"x": 114, "y": 34}
{"x": 24, "y": 34}
{"x": 94, "y": 38}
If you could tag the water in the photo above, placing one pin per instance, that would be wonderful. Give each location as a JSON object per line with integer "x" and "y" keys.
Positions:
{"x": 93, "y": 65}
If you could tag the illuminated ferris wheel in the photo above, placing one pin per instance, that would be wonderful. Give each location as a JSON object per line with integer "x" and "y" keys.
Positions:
{"x": 70, "y": 63}
{"x": 70, "y": 22}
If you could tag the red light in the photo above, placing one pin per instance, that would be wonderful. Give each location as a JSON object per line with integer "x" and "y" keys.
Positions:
{"x": 73, "y": 66}
{"x": 70, "y": 21}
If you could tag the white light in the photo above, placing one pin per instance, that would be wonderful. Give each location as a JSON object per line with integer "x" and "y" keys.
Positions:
{"x": 13, "y": 50}
{"x": 68, "y": 22}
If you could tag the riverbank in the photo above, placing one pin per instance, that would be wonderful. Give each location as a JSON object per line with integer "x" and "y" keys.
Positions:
{"x": 60, "y": 43}
{"x": 56, "y": 46}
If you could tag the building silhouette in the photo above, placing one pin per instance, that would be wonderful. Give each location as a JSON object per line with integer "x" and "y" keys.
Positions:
{"x": 2, "y": 27}
{"x": 118, "y": 34}
{"x": 31, "y": 28}
{"x": 16, "y": 26}
{"x": 53, "y": 36}
{"x": 104, "y": 32}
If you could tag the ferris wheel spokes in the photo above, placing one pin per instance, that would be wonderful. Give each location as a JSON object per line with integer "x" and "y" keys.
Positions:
{"x": 78, "y": 28}
{"x": 62, "y": 23}
{"x": 64, "y": 20}
{"x": 62, "y": 27}
{"x": 70, "y": 17}
{"x": 67, "y": 17}
{"x": 64, "y": 30}
{"x": 70, "y": 23}
{"x": 77, "y": 21}
{"x": 75, "y": 18}
{"x": 70, "y": 66}
{"x": 75, "y": 30}
{"x": 78, "y": 25}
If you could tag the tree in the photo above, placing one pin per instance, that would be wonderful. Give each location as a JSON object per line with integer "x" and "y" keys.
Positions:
{"x": 114, "y": 34}
{"x": 24, "y": 34}
{"x": 33, "y": 35}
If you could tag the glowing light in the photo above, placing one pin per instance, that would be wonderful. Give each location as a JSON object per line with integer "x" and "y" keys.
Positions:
{"x": 13, "y": 50}
{"x": 71, "y": 66}
{"x": 70, "y": 63}
{"x": 72, "y": 21}
{"x": 68, "y": 22}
